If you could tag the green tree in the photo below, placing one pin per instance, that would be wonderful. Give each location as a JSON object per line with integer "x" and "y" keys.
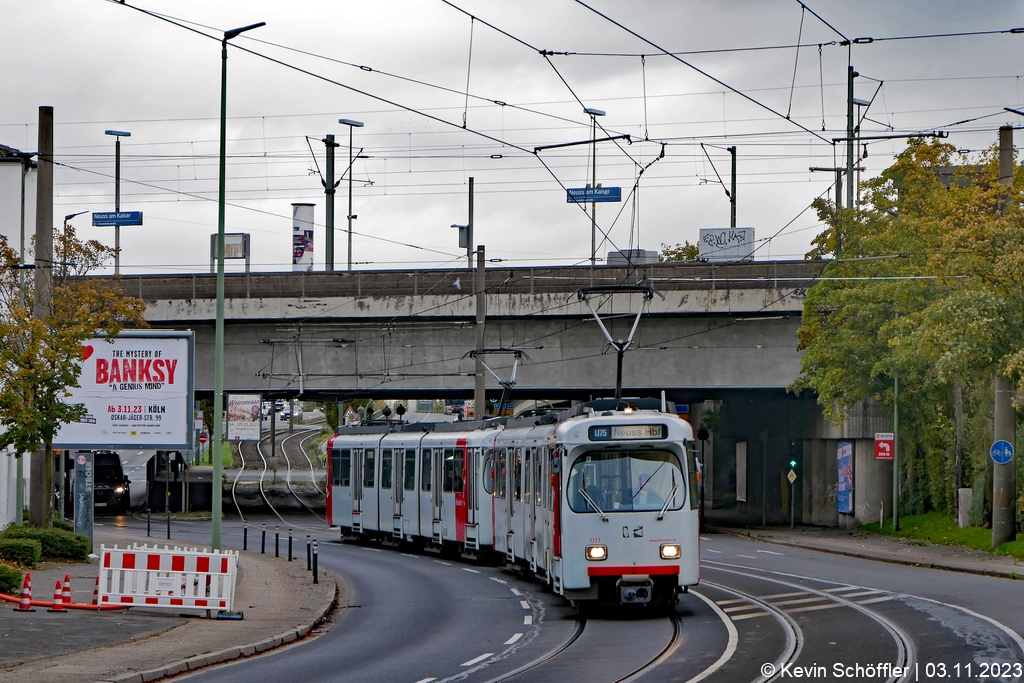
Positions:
{"x": 680, "y": 252}
{"x": 39, "y": 357}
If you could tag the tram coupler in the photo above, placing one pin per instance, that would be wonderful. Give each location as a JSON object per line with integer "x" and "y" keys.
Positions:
{"x": 635, "y": 589}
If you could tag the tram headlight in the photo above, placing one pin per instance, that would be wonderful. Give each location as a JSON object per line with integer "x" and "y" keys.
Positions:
{"x": 596, "y": 553}
{"x": 670, "y": 551}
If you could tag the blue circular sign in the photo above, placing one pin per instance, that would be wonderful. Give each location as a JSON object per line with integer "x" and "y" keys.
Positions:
{"x": 1002, "y": 452}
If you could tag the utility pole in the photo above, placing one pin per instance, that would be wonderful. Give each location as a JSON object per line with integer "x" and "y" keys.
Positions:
{"x": 329, "y": 188}
{"x": 849, "y": 136}
{"x": 41, "y": 501}
{"x": 26, "y": 164}
{"x": 732, "y": 193}
{"x": 896, "y": 454}
{"x": 469, "y": 228}
{"x": 480, "y": 381}
{"x": 1003, "y": 523}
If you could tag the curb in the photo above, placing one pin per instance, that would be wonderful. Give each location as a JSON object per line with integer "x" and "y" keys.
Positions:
{"x": 868, "y": 556}
{"x": 228, "y": 654}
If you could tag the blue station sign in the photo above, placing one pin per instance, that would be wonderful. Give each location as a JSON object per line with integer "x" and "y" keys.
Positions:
{"x": 586, "y": 195}
{"x": 114, "y": 218}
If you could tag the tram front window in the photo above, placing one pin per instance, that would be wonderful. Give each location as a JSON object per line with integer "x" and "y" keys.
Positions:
{"x": 626, "y": 481}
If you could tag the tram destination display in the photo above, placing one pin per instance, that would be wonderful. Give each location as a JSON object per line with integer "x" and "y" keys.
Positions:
{"x": 628, "y": 432}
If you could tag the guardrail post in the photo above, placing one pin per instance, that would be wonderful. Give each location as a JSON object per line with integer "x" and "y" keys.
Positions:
{"x": 263, "y": 541}
{"x": 277, "y": 541}
{"x": 309, "y": 555}
{"x": 316, "y": 572}
{"x": 289, "y": 545}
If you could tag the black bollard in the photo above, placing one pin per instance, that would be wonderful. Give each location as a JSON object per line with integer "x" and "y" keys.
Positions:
{"x": 277, "y": 541}
{"x": 245, "y": 535}
{"x": 316, "y": 573}
{"x": 289, "y": 545}
{"x": 309, "y": 555}
{"x": 263, "y": 541}
{"x": 147, "y": 521}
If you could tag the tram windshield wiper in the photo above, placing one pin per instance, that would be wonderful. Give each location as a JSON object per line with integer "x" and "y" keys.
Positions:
{"x": 671, "y": 496}
{"x": 594, "y": 505}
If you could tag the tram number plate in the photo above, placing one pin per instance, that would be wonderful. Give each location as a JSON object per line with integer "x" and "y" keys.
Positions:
{"x": 628, "y": 432}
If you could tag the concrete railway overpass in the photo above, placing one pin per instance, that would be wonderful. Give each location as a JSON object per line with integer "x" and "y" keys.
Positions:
{"x": 722, "y": 340}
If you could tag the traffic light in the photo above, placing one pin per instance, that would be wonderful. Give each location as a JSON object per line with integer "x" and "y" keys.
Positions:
{"x": 792, "y": 463}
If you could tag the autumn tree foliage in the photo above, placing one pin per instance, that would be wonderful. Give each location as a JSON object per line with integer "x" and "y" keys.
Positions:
{"x": 928, "y": 287}
{"x": 39, "y": 356}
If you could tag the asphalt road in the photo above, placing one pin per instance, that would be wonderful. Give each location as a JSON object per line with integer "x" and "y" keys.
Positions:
{"x": 760, "y": 610}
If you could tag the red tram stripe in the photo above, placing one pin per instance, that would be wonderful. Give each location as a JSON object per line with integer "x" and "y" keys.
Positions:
{"x": 625, "y": 571}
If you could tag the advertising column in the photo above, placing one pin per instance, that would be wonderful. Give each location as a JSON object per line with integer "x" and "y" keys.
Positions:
{"x": 302, "y": 237}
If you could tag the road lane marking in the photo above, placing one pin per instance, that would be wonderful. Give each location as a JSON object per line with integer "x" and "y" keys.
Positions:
{"x": 495, "y": 578}
{"x": 862, "y": 594}
{"x": 415, "y": 557}
{"x": 842, "y": 589}
{"x": 515, "y": 592}
{"x": 741, "y": 608}
{"x": 874, "y": 600}
{"x": 812, "y": 608}
{"x": 514, "y": 638}
{"x": 730, "y": 648}
{"x": 426, "y": 680}
{"x": 477, "y": 660}
{"x": 741, "y": 617}
{"x": 372, "y": 550}
{"x": 528, "y": 620}
{"x": 802, "y": 601}
{"x": 704, "y": 539}
{"x": 734, "y": 601}
{"x": 525, "y": 604}
{"x": 447, "y": 564}
{"x": 749, "y": 557}
{"x": 709, "y": 550}
{"x": 769, "y": 552}
{"x": 471, "y": 571}
{"x": 783, "y": 595}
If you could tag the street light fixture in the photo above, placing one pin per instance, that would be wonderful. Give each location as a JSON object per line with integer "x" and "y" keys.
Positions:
{"x": 218, "y": 379}
{"x": 593, "y": 113}
{"x": 118, "y": 134}
{"x": 351, "y": 160}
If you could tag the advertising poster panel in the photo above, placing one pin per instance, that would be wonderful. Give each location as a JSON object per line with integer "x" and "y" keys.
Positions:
{"x": 844, "y": 487}
{"x": 244, "y": 417}
{"x": 302, "y": 237}
{"x": 137, "y": 389}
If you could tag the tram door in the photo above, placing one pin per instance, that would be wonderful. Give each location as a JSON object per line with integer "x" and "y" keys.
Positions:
{"x": 499, "y": 497}
{"x": 370, "y": 512}
{"x": 397, "y": 491}
{"x": 357, "y": 490}
{"x": 515, "y": 490}
{"x": 436, "y": 498}
{"x": 426, "y": 494}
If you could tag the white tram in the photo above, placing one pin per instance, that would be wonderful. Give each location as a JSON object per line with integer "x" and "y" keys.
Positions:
{"x": 600, "y": 503}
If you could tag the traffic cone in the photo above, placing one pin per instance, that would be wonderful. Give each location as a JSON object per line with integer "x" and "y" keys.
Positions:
{"x": 26, "y": 595}
{"x": 66, "y": 593}
{"x": 58, "y": 598}
{"x": 96, "y": 593}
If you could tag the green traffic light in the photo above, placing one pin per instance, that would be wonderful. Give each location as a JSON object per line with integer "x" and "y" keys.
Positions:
{"x": 792, "y": 463}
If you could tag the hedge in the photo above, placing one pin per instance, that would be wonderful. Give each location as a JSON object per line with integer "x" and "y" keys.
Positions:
{"x": 10, "y": 581}
{"x": 22, "y": 551}
{"x": 56, "y": 543}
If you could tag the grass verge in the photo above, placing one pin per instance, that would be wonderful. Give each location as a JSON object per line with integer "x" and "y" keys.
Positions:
{"x": 937, "y": 527}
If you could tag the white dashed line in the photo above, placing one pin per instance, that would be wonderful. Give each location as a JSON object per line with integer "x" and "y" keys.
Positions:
{"x": 477, "y": 660}
{"x": 426, "y": 680}
{"x": 447, "y": 564}
{"x": 843, "y": 588}
{"x": 769, "y": 552}
{"x": 514, "y": 638}
{"x": 704, "y": 539}
{"x": 525, "y": 604}
{"x": 528, "y": 620}
{"x": 709, "y": 550}
{"x": 749, "y": 557}
{"x": 471, "y": 571}
{"x": 495, "y": 578}
{"x": 415, "y": 557}
{"x": 372, "y": 550}
{"x": 874, "y": 600}
{"x": 515, "y": 592}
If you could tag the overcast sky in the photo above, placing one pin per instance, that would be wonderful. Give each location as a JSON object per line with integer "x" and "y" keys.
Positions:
{"x": 103, "y": 65}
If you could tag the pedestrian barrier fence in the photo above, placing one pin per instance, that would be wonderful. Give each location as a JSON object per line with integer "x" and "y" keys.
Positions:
{"x": 144, "y": 576}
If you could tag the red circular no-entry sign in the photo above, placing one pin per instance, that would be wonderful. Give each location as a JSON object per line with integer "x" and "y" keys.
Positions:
{"x": 203, "y": 438}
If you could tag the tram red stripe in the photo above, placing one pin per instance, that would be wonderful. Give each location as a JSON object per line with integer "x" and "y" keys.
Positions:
{"x": 625, "y": 571}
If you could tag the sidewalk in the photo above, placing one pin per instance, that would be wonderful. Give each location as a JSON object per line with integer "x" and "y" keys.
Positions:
{"x": 886, "y": 549}
{"x": 141, "y": 645}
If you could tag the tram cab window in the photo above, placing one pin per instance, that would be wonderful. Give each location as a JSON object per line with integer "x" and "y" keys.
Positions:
{"x": 449, "y": 470}
{"x": 488, "y": 471}
{"x": 691, "y": 476}
{"x": 368, "y": 468}
{"x": 425, "y": 473}
{"x": 410, "y": 469}
{"x": 626, "y": 481}
{"x": 341, "y": 467}
{"x": 385, "y": 468}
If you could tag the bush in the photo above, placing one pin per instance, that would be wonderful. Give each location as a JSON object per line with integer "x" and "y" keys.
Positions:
{"x": 62, "y": 525}
{"x": 56, "y": 543}
{"x": 10, "y": 581}
{"x": 23, "y": 551}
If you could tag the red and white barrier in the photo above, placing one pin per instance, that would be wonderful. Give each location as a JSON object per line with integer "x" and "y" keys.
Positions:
{"x": 144, "y": 576}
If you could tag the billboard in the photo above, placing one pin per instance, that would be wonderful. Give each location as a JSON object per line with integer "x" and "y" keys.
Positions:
{"x": 726, "y": 244}
{"x": 245, "y": 415}
{"x": 844, "y": 485}
{"x": 137, "y": 389}
{"x": 302, "y": 237}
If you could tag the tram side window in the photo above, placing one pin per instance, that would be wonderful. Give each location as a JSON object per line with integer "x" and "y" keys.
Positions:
{"x": 527, "y": 474}
{"x": 410, "y": 469}
{"x": 425, "y": 474}
{"x": 488, "y": 472}
{"x": 538, "y": 479}
{"x": 368, "y": 468}
{"x": 341, "y": 467}
{"x": 501, "y": 474}
{"x": 449, "y": 470}
{"x": 517, "y": 474}
{"x": 460, "y": 470}
{"x": 385, "y": 468}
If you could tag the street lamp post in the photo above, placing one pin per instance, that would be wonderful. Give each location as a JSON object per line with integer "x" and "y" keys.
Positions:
{"x": 593, "y": 113}
{"x": 118, "y": 134}
{"x": 26, "y": 164}
{"x": 218, "y": 380}
{"x": 351, "y": 160}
